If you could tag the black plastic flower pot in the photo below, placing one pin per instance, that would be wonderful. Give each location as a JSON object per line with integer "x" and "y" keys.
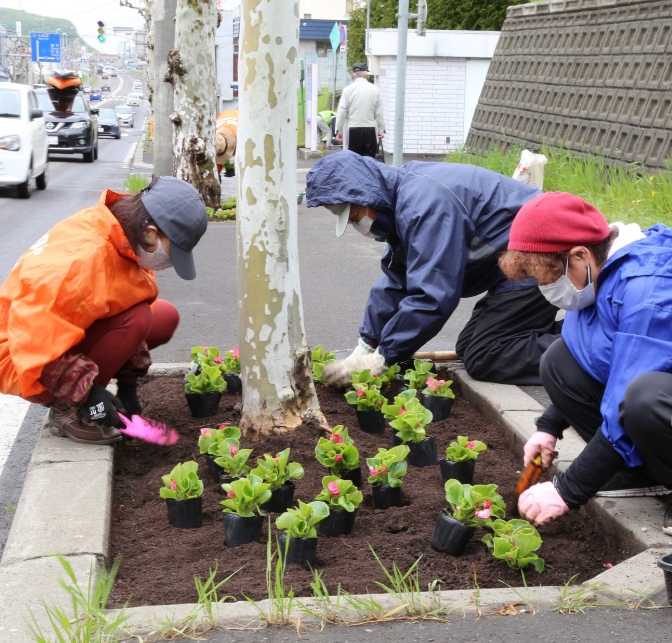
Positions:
{"x": 451, "y": 536}
{"x": 214, "y": 469}
{"x": 461, "y": 471}
{"x": 185, "y": 514}
{"x": 202, "y": 405}
{"x": 439, "y": 406}
{"x": 371, "y": 421}
{"x": 281, "y": 499}
{"x": 234, "y": 385}
{"x": 229, "y": 171}
{"x": 354, "y": 475}
{"x": 665, "y": 563}
{"x": 240, "y": 530}
{"x": 337, "y": 523}
{"x": 300, "y": 551}
{"x": 423, "y": 453}
{"x": 385, "y": 496}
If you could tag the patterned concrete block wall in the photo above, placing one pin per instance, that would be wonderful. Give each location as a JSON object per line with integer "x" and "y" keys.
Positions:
{"x": 434, "y": 106}
{"x": 592, "y": 75}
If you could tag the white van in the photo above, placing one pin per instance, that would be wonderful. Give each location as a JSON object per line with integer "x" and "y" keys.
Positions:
{"x": 24, "y": 146}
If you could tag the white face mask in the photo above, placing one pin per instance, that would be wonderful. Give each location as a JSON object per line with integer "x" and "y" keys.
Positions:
{"x": 157, "y": 260}
{"x": 564, "y": 294}
{"x": 363, "y": 226}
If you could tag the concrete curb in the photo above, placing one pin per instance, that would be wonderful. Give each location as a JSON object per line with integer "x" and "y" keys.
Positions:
{"x": 63, "y": 474}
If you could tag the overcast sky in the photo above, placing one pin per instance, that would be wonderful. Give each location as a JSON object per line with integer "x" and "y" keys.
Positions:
{"x": 85, "y": 16}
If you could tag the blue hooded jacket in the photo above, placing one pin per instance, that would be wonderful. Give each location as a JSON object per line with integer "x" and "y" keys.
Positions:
{"x": 628, "y": 330}
{"x": 445, "y": 225}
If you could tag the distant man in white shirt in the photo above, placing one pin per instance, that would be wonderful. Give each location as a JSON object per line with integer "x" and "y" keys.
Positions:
{"x": 361, "y": 107}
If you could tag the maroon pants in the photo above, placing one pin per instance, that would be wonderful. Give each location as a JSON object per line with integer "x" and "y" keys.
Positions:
{"x": 110, "y": 342}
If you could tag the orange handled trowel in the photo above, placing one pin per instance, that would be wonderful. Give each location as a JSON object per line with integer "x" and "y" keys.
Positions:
{"x": 528, "y": 478}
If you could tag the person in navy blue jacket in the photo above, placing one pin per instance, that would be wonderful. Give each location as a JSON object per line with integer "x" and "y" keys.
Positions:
{"x": 610, "y": 375}
{"x": 445, "y": 225}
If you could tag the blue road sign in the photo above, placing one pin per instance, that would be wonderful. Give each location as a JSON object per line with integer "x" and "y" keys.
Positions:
{"x": 45, "y": 47}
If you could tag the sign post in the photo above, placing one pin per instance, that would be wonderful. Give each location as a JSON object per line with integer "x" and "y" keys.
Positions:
{"x": 312, "y": 82}
{"x": 45, "y": 47}
{"x": 335, "y": 39}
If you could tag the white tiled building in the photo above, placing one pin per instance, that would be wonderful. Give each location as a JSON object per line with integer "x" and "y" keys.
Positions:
{"x": 445, "y": 74}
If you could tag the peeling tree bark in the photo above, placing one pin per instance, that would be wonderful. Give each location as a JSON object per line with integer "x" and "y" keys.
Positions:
{"x": 279, "y": 394}
{"x": 192, "y": 65}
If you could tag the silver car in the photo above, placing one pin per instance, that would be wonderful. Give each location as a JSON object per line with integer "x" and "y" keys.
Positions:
{"x": 125, "y": 115}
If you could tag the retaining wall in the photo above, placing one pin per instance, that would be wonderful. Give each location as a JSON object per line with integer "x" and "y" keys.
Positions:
{"x": 592, "y": 75}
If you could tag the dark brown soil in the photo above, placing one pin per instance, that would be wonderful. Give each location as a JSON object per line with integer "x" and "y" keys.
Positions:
{"x": 159, "y": 561}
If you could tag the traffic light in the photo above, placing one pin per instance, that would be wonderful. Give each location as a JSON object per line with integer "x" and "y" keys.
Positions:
{"x": 420, "y": 29}
{"x": 101, "y": 31}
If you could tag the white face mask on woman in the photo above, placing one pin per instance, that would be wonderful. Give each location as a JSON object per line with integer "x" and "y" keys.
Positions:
{"x": 363, "y": 226}
{"x": 564, "y": 294}
{"x": 157, "y": 260}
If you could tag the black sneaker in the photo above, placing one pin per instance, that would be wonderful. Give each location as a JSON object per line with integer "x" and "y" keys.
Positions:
{"x": 633, "y": 483}
{"x": 667, "y": 521}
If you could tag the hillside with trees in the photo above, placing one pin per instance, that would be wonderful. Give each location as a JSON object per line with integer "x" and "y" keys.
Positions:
{"x": 35, "y": 22}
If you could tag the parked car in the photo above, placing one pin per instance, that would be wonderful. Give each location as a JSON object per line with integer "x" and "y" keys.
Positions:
{"x": 23, "y": 140}
{"x": 134, "y": 99}
{"x": 95, "y": 94}
{"x": 71, "y": 124}
{"x": 108, "y": 123}
{"x": 105, "y": 88}
{"x": 125, "y": 114}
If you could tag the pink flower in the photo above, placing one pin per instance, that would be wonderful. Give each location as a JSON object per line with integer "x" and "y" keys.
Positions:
{"x": 333, "y": 489}
{"x": 205, "y": 351}
{"x": 230, "y": 494}
{"x": 470, "y": 444}
{"x": 383, "y": 468}
{"x": 223, "y": 426}
{"x": 380, "y": 403}
{"x": 374, "y": 472}
{"x": 430, "y": 381}
{"x": 402, "y": 411}
{"x": 234, "y": 449}
{"x": 360, "y": 393}
{"x": 608, "y": 565}
{"x": 338, "y": 458}
{"x": 336, "y": 438}
{"x": 487, "y": 504}
{"x": 173, "y": 486}
{"x": 276, "y": 459}
{"x": 441, "y": 382}
{"x": 236, "y": 353}
{"x": 483, "y": 513}
{"x": 206, "y": 432}
{"x": 218, "y": 360}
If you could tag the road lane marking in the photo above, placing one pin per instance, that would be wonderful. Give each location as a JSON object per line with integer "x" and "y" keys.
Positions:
{"x": 13, "y": 410}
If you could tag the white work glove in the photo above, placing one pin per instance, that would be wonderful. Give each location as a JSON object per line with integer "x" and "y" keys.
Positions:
{"x": 542, "y": 444}
{"x": 541, "y": 503}
{"x": 338, "y": 373}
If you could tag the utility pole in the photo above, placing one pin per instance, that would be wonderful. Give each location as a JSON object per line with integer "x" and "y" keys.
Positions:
{"x": 164, "y": 41}
{"x": 402, "y": 46}
{"x": 278, "y": 391}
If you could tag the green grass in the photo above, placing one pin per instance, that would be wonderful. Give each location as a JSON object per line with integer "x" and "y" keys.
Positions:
{"x": 631, "y": 193}
{"x": 323, "y": 102}
{"x": 133, "y": 183}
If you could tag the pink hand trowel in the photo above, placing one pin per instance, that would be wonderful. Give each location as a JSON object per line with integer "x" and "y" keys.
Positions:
{"x": 149, "y": 430}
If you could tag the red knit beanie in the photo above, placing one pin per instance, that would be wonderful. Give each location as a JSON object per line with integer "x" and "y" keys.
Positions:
{"x": 557, "y": 221}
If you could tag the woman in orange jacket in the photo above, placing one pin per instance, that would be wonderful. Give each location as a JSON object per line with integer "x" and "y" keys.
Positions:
{"x": 80, "y": 306}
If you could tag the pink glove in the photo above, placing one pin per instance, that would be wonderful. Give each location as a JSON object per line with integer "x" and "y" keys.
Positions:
{"x": 540, "y": 444}
{"x": 541, "y": 503}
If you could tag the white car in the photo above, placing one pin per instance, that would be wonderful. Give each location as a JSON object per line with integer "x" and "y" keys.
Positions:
{"x": 134, "y": 99}
{"x": 24, "y": 145}
{"x": 137, "y": 84}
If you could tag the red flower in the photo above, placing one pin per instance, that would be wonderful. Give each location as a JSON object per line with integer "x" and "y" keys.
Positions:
{"x": 230, "y": 494}
{"x": 470, "y": 444}
{"x": 338, "y": 458}
{"x": 336, "y": 438}
{"x": 218, "y": 360}
{"x": 374, "y": 472}
{"x": 402, "y": 411}
{"x": 383, "y": 468}
{"x": 360, "y": 393}
{"x": 333, "y": 489}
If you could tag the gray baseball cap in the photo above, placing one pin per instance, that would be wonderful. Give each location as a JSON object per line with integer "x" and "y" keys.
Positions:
{"x": 342, "y": 211}
{"x": 179, "y": 212}
{"x": 360, "y": 67}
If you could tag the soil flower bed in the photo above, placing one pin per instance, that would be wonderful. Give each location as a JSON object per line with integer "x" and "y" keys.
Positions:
{"x": 159, "y": 562}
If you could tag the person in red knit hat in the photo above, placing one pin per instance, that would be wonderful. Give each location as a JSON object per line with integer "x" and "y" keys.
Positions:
{"x": 610, "y": 374}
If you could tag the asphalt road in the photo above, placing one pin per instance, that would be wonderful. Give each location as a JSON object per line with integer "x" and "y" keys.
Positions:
{"x": 72, "y": 186}
{"x": 599, "y": 625}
